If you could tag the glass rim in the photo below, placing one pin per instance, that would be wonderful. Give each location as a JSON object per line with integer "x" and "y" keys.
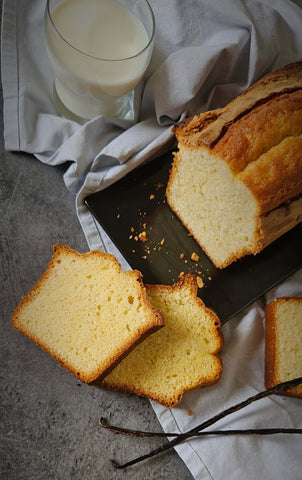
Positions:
{"x": 101, "y": 58}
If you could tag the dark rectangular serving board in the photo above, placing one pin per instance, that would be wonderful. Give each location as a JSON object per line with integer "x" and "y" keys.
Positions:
{"x": 137, "y": 204}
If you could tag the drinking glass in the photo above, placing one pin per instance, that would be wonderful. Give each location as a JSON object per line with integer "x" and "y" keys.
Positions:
{"x": 99, "y": 51}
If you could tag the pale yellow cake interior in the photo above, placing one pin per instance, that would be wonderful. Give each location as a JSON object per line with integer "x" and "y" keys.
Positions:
{"x": 288, "y": 347}
{"x": 216, "y": 207}
{"x": 85, "y": 313}
{"x": 179, "y": 357}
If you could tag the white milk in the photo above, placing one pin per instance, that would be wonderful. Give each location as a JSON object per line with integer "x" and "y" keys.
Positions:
{"x": 90, "y": 57}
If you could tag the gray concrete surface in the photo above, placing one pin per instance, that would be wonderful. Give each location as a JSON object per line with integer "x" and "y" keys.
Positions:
{"x": 48, "y": 419}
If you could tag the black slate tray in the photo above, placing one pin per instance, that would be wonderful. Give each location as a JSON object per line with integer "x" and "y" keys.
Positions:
{"x": 137, "y": 204}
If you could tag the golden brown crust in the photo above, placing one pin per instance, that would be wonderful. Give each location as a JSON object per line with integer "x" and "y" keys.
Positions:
{"x": 270, "y": 342}
{"x": 259, "y": 136}
{"x": 169, "y": 403}
{"x": 271, "y": 224}
{"x": 211, "y": 126}
{"x": 271, "y": 354}
{"x": 277, "y": 222}
{"x": 188, "y": 282}
{"x": 261, "y": 129}
{"x": 100, "y": 379}
{"x": 166, "y": 402}
{"x": 276, "y": 177}
{"x": 60, "y": 251}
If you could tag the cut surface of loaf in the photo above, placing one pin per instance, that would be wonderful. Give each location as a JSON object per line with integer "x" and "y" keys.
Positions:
{"x": 181, "y": 356}
{"x": 236, "y": 180}
{"x": 86, "y": 313}
{"x": 283, "y": 343}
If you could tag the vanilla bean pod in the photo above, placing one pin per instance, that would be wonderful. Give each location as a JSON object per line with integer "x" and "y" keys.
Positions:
{"x": 191, "y": 433}
{"x": 133, "y": 433}
{"x": 251, "y": 431}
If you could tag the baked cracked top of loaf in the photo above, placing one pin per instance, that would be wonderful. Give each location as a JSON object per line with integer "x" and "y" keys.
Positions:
{"x": 259, "y": 136}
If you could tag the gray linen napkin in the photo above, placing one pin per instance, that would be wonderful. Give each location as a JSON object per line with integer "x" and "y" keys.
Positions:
{"x": 206, "y": 52}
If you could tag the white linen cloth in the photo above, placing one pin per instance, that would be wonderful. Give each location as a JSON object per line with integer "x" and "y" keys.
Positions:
{"x": 206, "y": 52}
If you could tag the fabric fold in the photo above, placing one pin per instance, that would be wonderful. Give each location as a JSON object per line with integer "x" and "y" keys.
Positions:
{"x": 206, "y": 52}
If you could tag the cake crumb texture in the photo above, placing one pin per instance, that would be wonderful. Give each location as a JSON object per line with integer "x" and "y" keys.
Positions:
{"x": 86, "y": 313}
{"x": 283, "y": 343}
{"x": 181, "y": 356}
{"x": 236, "y": 179}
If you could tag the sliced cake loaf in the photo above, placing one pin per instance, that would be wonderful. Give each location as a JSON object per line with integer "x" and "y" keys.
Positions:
{"x": 86, "y": 313}
{"x": 181, "y": 356}
{"x": 236, "y": 180}
{"x": 283, "y": 342}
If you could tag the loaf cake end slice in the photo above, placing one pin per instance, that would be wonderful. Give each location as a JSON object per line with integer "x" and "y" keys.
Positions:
{"x": 283, "y": 343}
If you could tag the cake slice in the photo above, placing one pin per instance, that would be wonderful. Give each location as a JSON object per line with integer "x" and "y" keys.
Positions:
{"x": 283, "y": 343}
{"x": 181, "y": 356}
{"x": 236, "y": 180}
{"x": 86, "y": 313}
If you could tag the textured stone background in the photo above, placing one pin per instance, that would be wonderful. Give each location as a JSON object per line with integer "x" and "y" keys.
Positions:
{"x": 48, "y": 419}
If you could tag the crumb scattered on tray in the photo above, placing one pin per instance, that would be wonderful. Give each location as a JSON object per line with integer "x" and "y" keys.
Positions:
{"x": 194, "y": 257}
{"x": 143, "y": 237}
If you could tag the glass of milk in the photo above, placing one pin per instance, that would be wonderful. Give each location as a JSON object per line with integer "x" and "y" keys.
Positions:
{"x": 99, "y": 51}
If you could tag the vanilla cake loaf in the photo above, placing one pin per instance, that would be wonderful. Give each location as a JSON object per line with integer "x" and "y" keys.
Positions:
{"x": 181, "y": 356}
{"x": 236, "y": 180}
{"x": 283, "y": 343}
{"x": 86, "y": 313}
